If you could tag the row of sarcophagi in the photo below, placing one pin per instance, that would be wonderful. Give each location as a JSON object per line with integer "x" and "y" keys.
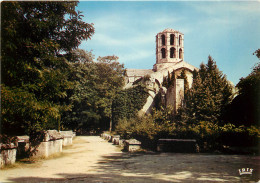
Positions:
{"x": 131, "y": 145}
{"x": 52, "y": 143}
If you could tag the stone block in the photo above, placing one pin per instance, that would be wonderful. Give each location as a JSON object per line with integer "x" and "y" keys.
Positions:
{"x": 109, "y": 138}
{"x": 67, "y": 137}
{"x": 67, "y": 140}
{"x": 177, "y": 145}
{"x": 132, "y": 145}
{"x": 23, "y": 138}
{"x": 7, "y": 156}
{"x": 52, "y": 135}
{"x": 115, "y": 139}
{"x": 46, "y": 149}
{"x": 69, "y": 132}
{"x": 103, "y": 135}
{"x": 121, "y": 142}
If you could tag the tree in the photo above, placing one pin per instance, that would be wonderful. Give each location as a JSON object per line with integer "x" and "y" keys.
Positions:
{"x": 208, "y": 97}
{"x": 169, "y": 80}
{"x": 245, "y": 108}
{"x": 34, "y": 33}
{"x": 37, "y": 41}
{"x": 96, "y": 85}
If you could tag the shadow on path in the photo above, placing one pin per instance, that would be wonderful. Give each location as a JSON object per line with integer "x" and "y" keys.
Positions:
{"x": 162, "y": 167}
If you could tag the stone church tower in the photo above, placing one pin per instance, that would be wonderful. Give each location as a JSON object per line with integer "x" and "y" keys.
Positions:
{"x": 169, "y": 48}
{"x": 169, "y": 58}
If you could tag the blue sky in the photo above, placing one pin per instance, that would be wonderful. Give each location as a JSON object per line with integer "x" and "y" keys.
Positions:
{"x": 228, "y": 31}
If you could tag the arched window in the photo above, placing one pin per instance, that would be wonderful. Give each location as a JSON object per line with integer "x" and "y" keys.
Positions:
{"x": 172, "y": 52}
{"x": 163, "y": 53}
{"x": 180, "y": 40}
{"x": 180, "y": 53}
{"x": 172, "y": 37}
{"x": 163, "y": 39}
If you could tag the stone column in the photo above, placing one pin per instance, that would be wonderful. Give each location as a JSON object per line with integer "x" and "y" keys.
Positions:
{"x": 175, "y": 94}
{"x": 179, "y": 88}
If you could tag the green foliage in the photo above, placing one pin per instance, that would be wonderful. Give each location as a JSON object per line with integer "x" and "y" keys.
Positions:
{"x": 34, "y": 34}
{"x": 147, "y": 128}
{"x": 210, "y": 136}
{"x": 208, "y": 97}
{"x": 201, "y": 118}
{"x": 169, "y": 80}
{"x": 95, "y": 88}
{"x": 8, "y": 141}
{"x": 128, "y": 102}
{"x": 147, "y": 77}
{"x": 142, "y": 80}
{"x": 257, "y": 53}
{"x": 22, "y": 113}
{"x": 245, "y": 108}
{"x": 37, "y": 41}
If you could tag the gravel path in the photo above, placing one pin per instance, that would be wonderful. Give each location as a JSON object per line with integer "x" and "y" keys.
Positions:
{"x": 92, "y": 159}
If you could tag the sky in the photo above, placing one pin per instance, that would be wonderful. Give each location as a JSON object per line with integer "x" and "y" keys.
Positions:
{"x": 226, "y": 30}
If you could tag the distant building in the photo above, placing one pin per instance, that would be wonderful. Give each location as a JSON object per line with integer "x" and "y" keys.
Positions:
{"x": 169, "y": 58}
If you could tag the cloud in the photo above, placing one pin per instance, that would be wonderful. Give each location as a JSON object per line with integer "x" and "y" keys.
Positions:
{"x": 105, "y": 40}
{"x": 123, "y": 39}
{"x": 136, "y": 55}
{"x": 220, "y": 8}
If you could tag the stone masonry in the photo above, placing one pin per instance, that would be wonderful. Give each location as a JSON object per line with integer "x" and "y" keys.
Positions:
{"x": 169, "y": 58}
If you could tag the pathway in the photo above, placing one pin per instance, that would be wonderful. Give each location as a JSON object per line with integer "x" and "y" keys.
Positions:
{"x": 92, "y": 159}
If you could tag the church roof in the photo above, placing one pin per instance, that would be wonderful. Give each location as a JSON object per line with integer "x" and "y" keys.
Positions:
{"x": 138, "y": 72}
{"x": 170, "y": 30}
{"x": 183, "y": 64}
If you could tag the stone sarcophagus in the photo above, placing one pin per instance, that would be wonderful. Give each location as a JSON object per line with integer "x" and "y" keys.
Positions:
{"x": 67, "y": 137}
{"x": 132, "y": 145}
{"x": 177, "y": 145}
{"x": 52, "y": 143}
{"x": 115, "y": 139}
{"x": 7, "y": 154}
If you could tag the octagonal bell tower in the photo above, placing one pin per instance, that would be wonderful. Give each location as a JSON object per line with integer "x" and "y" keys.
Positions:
{"x": 169, "y": 48}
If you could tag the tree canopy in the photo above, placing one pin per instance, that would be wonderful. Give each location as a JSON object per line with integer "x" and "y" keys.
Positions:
{"x": 245, "y": 108}
{"x": 37, "y": 42}
{"x": 209, "y": 95}
{"x": 96, "y": 86}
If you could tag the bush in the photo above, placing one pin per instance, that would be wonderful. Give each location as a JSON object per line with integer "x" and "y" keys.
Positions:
{"x": 127, "y": 103}
{"x": 210, "y": 136}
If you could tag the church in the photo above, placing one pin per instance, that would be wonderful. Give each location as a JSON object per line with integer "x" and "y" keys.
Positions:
{"x": 169, "y": 58}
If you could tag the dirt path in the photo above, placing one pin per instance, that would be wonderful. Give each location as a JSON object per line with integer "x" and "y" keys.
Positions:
{"x": 92, "y": 159}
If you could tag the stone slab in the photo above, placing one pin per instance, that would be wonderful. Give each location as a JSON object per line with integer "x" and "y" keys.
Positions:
{"x": 132, "y": 145}
{"x": 177, "y": 145}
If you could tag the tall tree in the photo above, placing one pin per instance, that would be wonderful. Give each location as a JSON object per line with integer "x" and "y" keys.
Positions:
{"x": 96, "y": 85}
{"x": 37, "y": 38}
{"x": 209, "y": 95}
{"x": 245, "y": 108}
